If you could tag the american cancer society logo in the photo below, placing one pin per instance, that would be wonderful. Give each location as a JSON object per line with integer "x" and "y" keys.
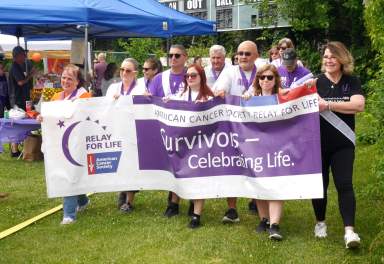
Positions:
{"x": 102, "y": 151}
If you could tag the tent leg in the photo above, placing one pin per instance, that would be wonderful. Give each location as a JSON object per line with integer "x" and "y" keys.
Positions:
{"x": 86, "y": 66}
{"x": 169, "y": 42}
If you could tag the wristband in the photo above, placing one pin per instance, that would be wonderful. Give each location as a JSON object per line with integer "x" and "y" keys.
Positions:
{"x": 329, "y": 106}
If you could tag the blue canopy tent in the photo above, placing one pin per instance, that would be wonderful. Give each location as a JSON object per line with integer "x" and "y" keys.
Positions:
{"x": 90, "y": 19}
{"x": 57, "y": 19}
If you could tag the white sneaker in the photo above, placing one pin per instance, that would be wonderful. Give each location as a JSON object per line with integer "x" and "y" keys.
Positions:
{"x": 82, "y": 207}
{"x": 67, "y": 221}
{"x": 321, "y": 230}
{"x": 352, "y": 239}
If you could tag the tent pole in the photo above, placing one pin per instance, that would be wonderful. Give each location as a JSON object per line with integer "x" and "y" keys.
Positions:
{"x": 86, "y": 66}
{"x": 169, "y": 41}
{"x": 26, "y": 54}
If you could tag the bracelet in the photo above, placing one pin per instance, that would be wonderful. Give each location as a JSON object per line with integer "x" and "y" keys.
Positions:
{"x": 329, "y": 106}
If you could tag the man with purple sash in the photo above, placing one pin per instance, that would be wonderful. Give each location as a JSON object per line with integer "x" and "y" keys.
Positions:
{"x": 217, "y": 58}
{"x": 171, "y": 81}
{"x": 235, "y": 81}
{"x": 290, "y": 72}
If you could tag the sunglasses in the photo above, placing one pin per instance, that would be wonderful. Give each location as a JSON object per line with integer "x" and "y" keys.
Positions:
{"x": 244, "y": 53}
{"x": 176, "y": 55}
{"x": 269, "y": 77}
{"x": 147, "y": 69}
{"x": 282, "y": 48}
{"x": 191, "y": 75}
{"x": 126, "y": 70}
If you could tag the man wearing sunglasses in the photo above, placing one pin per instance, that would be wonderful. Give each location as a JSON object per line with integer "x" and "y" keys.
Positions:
{"x": 217, "y": 58}
{"x": 236, "y": 80}
{"x": 171, "y": 81}
{"x": 291, "y": 73}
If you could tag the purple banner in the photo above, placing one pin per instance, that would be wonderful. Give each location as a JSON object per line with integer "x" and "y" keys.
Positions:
{"x": 289, "y": 146}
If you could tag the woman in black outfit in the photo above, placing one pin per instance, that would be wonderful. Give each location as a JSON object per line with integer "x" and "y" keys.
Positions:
{"x": 340, "y": 99}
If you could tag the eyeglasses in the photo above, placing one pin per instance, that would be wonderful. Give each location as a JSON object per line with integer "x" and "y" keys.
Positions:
{"x": 282, "y": 48}
{"x": 147, "y": 69}
{"x": 126, "y": 70}
{"x": 176, "y": 55}
{"x": 191, "y": 75}
{"x": 244, "y": 53}
{"x": 269, "y": 77}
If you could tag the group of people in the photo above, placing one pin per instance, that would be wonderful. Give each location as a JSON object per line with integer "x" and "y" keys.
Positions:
{"x": 340, "y": 95}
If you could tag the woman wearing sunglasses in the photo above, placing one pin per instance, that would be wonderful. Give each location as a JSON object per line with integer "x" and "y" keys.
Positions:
{"x": 127, "y": 86}
{"x": 267, "y": 82}
{"x": 151, "y": 67}
{"x": 282, "y": 45}
{"x": 196, "y": 90}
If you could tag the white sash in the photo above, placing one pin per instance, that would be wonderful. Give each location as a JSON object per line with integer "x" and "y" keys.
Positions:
{"x": 165, "y": 82}
{"x": 339, "y": 124}
{"x": 301, "y": 80}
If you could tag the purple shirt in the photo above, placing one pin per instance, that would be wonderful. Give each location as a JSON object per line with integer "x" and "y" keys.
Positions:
{"x": 287, "y": 78}
{"x": 99, "y": 72}
{"x": 176, "y": 82}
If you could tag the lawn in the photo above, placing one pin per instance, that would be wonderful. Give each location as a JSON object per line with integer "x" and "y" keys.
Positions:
{"x": 104, "y": 235}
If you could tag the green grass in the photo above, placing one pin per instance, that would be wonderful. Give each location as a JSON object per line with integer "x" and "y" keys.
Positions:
{"x": 104, "y": 235}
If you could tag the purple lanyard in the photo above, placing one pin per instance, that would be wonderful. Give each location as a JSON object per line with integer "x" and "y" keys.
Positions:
{"x": 73, "y": 94}
{"x": 216, "y": 75}
{"x": 146, "y": 83}
{"x": 175, "y": 84}
{"x": 190, "y": 95}
{"x": 247, "y": 83}
{"x": 129, "y": 89}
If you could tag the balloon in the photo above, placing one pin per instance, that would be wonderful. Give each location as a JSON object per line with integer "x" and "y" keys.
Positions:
{"x": 36, "y": 57}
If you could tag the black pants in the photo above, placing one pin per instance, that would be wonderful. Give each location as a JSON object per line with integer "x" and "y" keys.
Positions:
{"x": 341, "y": 163}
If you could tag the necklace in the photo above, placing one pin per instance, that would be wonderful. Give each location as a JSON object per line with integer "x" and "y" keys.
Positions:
{"x": 334, "y": 80}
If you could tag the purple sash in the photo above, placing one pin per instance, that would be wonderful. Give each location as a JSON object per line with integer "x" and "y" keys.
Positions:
{"x": 247, "y": 83}
{"x": 129, "y": 89}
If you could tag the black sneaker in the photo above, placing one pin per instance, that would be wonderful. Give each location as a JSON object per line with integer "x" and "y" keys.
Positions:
{"x": 126, "y": 208}
{"x": 263, "y": 225}
{"x": 195, "y": 221}
{"x": 122, "y": 198}
{"x": 190, "y": 208}
{"x": 252, "y": 207}
{"x": 15, "y": 154}
{"x": 172, "y": 210}
{"x": 274, "y": 232}
{"x": 231, "y": 216}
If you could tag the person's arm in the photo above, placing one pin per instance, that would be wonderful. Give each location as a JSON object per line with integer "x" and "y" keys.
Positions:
{"x": 355, "y": 105}
{"x": 21, "y": 81}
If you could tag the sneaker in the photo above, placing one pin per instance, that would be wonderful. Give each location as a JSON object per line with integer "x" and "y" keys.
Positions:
{"x": 15, "y": 154}
{"x": 352, "y": 239}
{"x": 252, "y": 208}
{"x": 263, "y": 225}
{"x": 195, "y": 221}
{"x": 122, "y": 198}
{"x": 81, "y": 208}
{"x": 320, "y": 230}
{"x": 231, "y": 216}
{"x": 190, "y": 208}
{"x": 274, "y": 232}
{"x": 172, "y": 210}
{"x": 67, "y": 221}
{"x": 126, "y": 208}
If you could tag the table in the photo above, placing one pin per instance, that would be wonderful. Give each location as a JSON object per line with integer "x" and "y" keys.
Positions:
{"x": 15, "y": 131}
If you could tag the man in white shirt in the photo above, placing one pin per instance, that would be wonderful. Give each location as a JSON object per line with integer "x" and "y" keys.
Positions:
{"x": 217, "y": 58}
{"x": 235, "y": 81}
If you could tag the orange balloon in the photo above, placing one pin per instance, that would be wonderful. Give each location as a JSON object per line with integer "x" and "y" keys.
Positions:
{"x": 36, "y": 57}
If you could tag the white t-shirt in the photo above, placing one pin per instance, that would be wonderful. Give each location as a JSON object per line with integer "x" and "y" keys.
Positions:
{"x": 115, "y": 89}
{"x": 210, "y": 77}
{"x": 231, "y": 82}
{"x": 180, "y": 96}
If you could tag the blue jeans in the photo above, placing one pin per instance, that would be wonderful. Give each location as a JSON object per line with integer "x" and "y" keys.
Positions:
{"x": 71, "y": 202}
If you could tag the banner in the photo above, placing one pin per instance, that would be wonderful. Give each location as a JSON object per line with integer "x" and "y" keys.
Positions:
{"x": 265, "y": 148}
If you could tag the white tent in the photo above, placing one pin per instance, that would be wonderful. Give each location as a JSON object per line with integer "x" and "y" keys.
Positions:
{"x": 7, "y": 43}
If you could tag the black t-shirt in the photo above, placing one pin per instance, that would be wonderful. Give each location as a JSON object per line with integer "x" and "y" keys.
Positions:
{"x": 19, "y": 94}
{"x": 340, "y": 92}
